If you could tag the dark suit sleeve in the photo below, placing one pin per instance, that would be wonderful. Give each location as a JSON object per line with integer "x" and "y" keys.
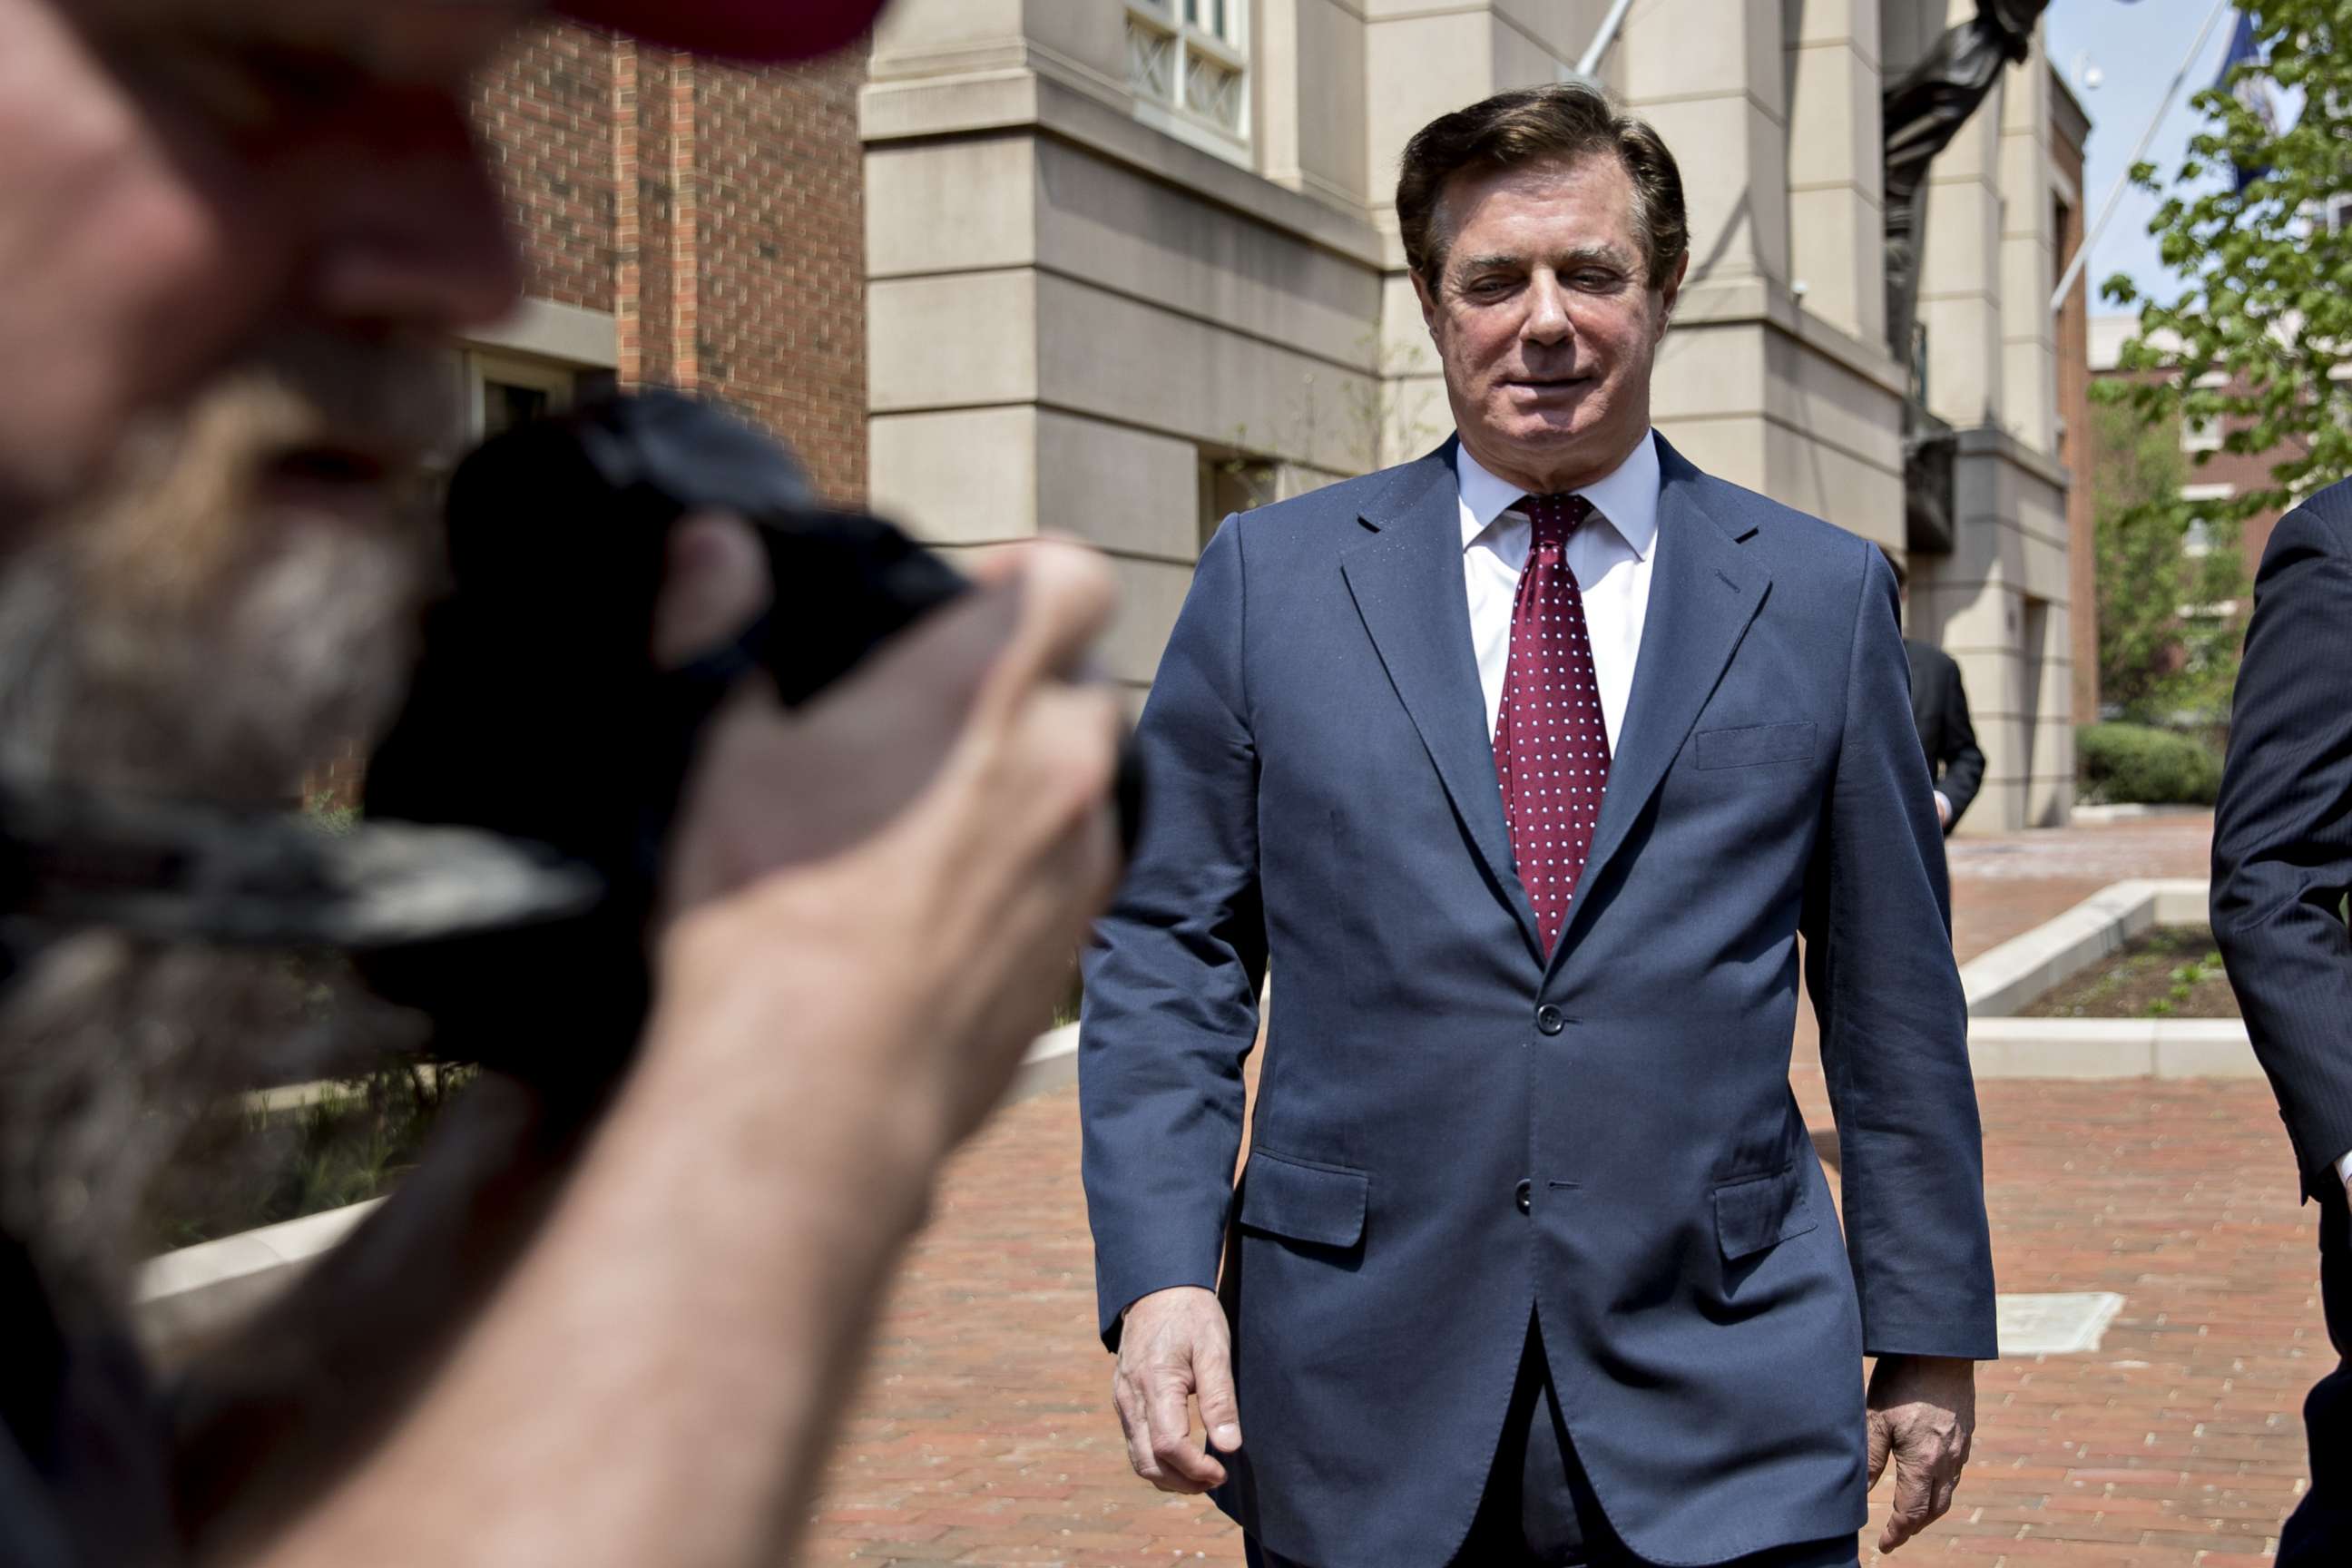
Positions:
{"x": 2283, "y": 838}
{"x": 1173, "y": 977}
{"x": 1956, "y": 749}
{"x": 1894, "y": 1021}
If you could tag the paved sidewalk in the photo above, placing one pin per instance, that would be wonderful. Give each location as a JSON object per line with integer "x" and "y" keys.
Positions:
{"x": 2003, "y": 886}
{"x": 983, "y": 1433}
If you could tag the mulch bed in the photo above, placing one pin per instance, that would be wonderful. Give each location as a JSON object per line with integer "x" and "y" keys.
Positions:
{"x": 2172, "y": 971}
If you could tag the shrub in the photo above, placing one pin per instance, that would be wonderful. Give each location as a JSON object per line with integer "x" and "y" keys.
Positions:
{"x": 243, "y": 1166}
{"x": 2116, "y": 763}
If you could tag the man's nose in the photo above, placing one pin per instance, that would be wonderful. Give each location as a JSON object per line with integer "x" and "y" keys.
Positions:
{"x": 1547, "y": 320}
{"x": 413, "y": 232}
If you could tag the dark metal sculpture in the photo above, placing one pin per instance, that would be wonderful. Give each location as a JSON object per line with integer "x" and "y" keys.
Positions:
{"x": 1929, "y": 447}
{"x": 1921, "y": 113}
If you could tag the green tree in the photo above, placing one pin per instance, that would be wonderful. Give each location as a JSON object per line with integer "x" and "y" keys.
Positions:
{"x": 2259, "y": 335}
{"x": 2165, "y": 655}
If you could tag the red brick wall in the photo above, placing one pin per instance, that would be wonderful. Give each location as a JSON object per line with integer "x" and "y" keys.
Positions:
{"x": 717, "y": 212}
{"x": 656, "y": 281}
{"x": 2240, "y": 472}
{"x": 782, "y": 328}
{"x": 545, "y": 109}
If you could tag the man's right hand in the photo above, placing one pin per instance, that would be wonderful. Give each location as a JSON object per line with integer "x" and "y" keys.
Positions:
{"x": 1174, "y": 1348}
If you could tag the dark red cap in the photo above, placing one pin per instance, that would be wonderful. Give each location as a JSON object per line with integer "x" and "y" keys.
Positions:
{"x": 759, "y": 30}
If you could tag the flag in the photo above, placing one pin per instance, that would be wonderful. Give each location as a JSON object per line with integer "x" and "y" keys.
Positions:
{"x": 2253, "y": 89}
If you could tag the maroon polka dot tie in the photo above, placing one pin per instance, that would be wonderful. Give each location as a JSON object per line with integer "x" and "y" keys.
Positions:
{"x": 1552, "y": 747}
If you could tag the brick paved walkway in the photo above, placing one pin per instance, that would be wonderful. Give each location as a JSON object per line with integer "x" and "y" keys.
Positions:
{"x": 983, "y": 1433}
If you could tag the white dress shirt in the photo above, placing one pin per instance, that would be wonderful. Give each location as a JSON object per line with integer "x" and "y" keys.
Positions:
{"x": 1609, "y": 557}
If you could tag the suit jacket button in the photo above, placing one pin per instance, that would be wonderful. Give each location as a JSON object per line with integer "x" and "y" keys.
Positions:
{"x": 1525, "y": 1197}
{"x": 1549, "y": 1019}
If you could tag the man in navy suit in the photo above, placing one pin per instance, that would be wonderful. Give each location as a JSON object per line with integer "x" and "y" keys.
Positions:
{"x": 2282, "y": 870}
{"x": 1526, "y": 766}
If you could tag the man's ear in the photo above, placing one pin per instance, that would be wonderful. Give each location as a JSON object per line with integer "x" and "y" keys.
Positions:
{"x": 1671, "y": 292}
{"x": 1421, "y": 290}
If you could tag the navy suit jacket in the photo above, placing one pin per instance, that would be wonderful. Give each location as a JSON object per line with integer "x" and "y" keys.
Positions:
{"x": 1323, "y": 797}
{"x": 2282, "y": 830}
{"x": 1939, "y": 706}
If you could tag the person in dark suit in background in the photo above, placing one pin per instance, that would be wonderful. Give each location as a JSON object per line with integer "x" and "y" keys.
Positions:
{"x": 1939, "y": 706}
{"x": 2282, "y": 866}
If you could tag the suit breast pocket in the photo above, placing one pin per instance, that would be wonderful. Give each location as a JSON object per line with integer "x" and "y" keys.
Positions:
{"x": 1753, "y": 745}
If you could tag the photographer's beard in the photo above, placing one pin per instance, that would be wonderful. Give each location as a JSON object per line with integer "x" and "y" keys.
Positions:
{"x": 237, "y": 601}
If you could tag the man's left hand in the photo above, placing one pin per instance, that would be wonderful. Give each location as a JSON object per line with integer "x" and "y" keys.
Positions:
{"x": 1922, "y": 1411}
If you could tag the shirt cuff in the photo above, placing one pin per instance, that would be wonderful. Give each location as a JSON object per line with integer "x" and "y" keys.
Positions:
{"x": 2344, "y": 1169}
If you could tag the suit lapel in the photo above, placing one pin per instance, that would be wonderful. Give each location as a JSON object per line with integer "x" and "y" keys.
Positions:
{"x": 1703, "y": 592}
{"x": 1406, "y": 579}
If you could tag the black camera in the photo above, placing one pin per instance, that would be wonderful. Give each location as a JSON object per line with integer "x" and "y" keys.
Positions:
{"x": 538, "y": 715}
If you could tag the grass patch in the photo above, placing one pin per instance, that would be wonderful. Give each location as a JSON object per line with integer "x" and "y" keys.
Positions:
{"x": 2172, "y": 971}
{"x": 245, "y": 1165}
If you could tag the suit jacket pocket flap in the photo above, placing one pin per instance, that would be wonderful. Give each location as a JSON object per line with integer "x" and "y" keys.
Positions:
{"x": 1753, "y": 745}
{"x": 1319, "y": 1204}
{"x": 1758, "y": 1212}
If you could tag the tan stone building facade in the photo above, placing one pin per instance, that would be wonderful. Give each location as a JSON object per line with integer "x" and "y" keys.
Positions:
{"x": 1116, "y": 268}
{"x": 1132, "y": 263}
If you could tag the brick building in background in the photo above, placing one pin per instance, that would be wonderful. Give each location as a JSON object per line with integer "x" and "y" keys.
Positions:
{"x": 2214, "y": 474}
{"x": 683, "y": 223}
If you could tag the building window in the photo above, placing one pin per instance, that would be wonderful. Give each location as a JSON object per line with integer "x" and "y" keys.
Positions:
{"x": 2197, "y": 539}
{"x": 1188, "y": 65}
{"x": 1231, "y": 482}
{"x": 503, "y": 391}
{"x": 2200, "y": 434}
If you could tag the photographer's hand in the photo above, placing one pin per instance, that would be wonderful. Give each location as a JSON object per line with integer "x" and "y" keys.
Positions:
{"x": 871, "y": 904}
{"x": 937, "y": 825}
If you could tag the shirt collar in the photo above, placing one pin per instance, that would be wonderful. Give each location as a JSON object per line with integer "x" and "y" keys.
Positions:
{"x": 1627, "y": 496}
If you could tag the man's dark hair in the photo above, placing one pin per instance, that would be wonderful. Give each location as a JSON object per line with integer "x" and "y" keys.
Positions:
{"x": 1565, "y": 121}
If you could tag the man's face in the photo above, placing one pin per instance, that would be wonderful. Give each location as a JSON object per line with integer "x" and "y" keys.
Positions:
{"x": 1545, "y": 320}
{"x": 232, "y": 232}
{"x": 183, "y": 179}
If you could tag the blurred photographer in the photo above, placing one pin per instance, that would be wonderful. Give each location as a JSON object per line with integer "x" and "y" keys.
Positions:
{"x": 611, "y": 1328}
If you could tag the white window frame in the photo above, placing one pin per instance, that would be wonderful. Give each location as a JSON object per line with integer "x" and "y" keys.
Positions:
{"x": 2197, "y": 543}
{"x": 560, "y": 383}
{"x": 1173, "y": 115}
{"x": 2200, "y": 434}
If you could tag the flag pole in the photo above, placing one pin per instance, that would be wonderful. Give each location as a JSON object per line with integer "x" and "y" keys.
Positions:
{"x": 1590, "y": 65}
{"x": 2107, "y": 208}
